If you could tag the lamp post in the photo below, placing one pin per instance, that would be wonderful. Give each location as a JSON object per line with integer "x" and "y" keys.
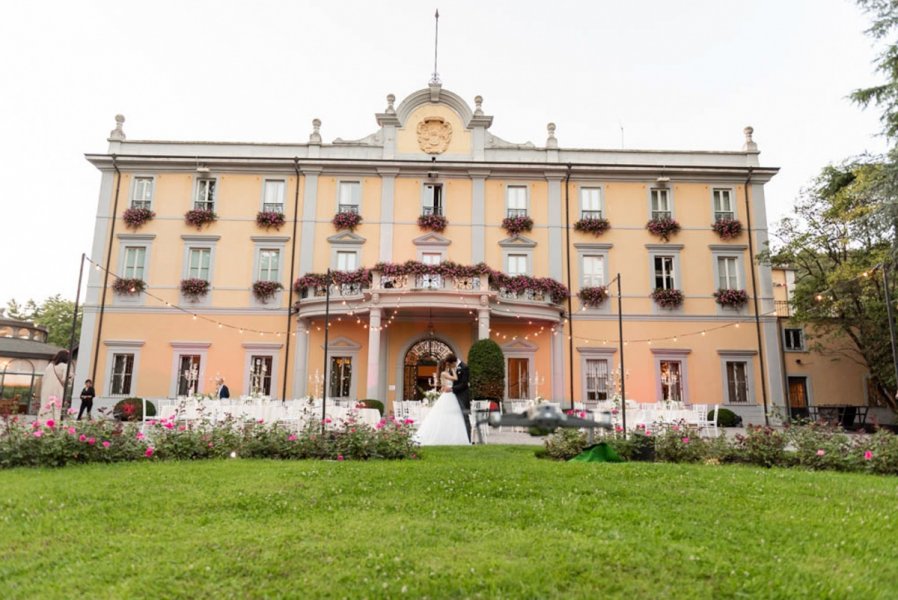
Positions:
{"x": 623, "y": 370}
{"x": 888, "y": 298}
{"x": 327, "y": 318}
{"x": 67, "y": 391}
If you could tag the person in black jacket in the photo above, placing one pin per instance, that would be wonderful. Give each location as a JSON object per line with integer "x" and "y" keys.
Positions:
{"x": 223, "y": 391}
{"x": 87, "y": 399}
{"x": 461, "y": 389}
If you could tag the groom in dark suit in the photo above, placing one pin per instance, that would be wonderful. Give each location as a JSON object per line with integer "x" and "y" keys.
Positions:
{"x": 462, "y": 390}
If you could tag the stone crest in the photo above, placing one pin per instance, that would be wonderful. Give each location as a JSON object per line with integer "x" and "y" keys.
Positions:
{"x": 434, "y": 134}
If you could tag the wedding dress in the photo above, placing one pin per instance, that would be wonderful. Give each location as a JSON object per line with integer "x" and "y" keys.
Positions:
{"x": 444, "y": 424}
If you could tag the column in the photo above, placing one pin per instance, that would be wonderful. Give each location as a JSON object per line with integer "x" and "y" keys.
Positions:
{"x": 387, "y": 200}
{"x": 478, "y": 215}
{"x": 301, "y": 359}
{"x": 556, "y": 226}
{"x": 558, "y": 369}
{"x": 309, "y": 208}
{"x": 373, "y": 385}
{"x": 483, "y": 323}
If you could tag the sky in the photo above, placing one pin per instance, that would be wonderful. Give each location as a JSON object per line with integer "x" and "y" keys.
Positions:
{"x": 672, "y": 75}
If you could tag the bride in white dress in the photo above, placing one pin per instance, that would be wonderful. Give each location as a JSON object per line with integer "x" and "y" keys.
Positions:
{"x": 444, "y": 424}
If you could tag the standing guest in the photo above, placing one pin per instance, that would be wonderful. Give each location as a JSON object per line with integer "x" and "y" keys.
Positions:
{"x": 87, "y": 399}
{"x": 223, "y": 391}
{"x": 53, "y": 387}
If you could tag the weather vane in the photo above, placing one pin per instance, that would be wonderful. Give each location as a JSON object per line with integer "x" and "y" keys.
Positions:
{"x": 435, "y": 78}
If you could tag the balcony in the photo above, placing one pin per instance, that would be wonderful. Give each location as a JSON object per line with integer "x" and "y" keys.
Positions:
{"x": 348, "y": 208}
{"x": 720, "y": 215}
{"x": 204, "y": 205}
{"x": 657, "y": 215}
{"x": 511, "y": 213}
{"x": 782, "y": 308}
{"x": 432, "y": 210}
{"x": 142, "y": 204}
{"x": 590, "y": 214}
{"x": 276, "y": 207}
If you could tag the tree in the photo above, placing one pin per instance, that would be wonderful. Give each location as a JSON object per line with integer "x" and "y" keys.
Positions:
{"x": 885, "y": 95}
{"x": 54, "y": 313}
{"x": 487, "y": 365}
{"x": 835, "y": 240}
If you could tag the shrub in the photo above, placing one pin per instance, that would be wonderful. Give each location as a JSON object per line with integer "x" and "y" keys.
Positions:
{"x": 639, "y": 445}
{"x": 678, "y": 443}
{"x": 131, "y": 409}
{"x": 200, "y": 217}
{"x": 667, "y": 298}
{"x": 593, "y": 225}
{"x": 663, "y": 228}
{"x": 517, "y": 225}
{"x": 487, "y": 367}
{"x": 346, "y": 220}
{"x": 565, "y": 444}
{"x": 128, "y": 287}
{"x": 270, "y": 218}
{"x": 727, "y": 229}
{"x": 369, "y": 403}
{"x": 820, "y": 446}
{"x": 762, "y": 446}
{"x": 135, "y": 217}
{"x": 265, "y": 290}
{"x": 436, "y": 223}
{"x": 726, "y": 418}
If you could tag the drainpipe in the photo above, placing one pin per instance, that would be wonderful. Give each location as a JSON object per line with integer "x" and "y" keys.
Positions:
{"x": 290, "y": 282}
{"x": 114, "y": 216}
{"x": 779, "y": 344}
{"x": 754, "y": 294}
{"x": 570, "y": 312}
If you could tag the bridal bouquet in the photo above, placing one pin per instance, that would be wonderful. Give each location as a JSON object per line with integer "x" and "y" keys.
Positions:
{"x": 430, "y": 396}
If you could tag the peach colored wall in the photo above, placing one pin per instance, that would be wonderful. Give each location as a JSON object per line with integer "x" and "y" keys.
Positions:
{"x": 407, "y": 137}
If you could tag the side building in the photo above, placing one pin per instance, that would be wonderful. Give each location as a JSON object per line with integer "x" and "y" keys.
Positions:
{"x": 198, "y": 246}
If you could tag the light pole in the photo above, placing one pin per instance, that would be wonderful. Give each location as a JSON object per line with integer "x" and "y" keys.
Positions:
{"x": 888, "y": 298}
{"x": 327, "y": 318}
{"x": 623, "y": 371}
{"x": 68, "y": 391}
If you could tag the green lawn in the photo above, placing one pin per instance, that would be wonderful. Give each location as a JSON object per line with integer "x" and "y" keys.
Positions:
{"x": 465, "y": 522}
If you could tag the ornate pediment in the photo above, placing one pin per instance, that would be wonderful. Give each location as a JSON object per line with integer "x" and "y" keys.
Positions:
{"x": 346, "y": 237}
{"x": 519, "y": 345}
{"x": 431, "y": 239}
{"x": 434, "y": 135}
{"x": 343, "y": 344}
{"x": 517, "y": 241}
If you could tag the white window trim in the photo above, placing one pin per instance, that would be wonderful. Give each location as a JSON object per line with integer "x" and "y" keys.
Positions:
{"x": 733, "y": 202}
{"x": 273, "y": 350}
{"x": 361, "y": 183}
{"x": 526, "y": 188}
{"x": 199, "y": 241}
{"x": 134, "y": 240}
{"x": 133, "y": 189}
{"x": 670, "y": 200}
{"x": 114, "y": 347}
{"x": 268, "y": 242}
{"x": 587, "y": 353}
{"x": 594, "y": 249}
{"x": 601, "y": 189}
{"x": 194, "y": 197}
{"x": 423, "y": 198}
{"x": 747, "y": 356}
{"x": 265, "y": 180}
{"x": 665, "y": 250}
{"x": 521, "y": 349}
{"x": 528, "y": 258}
{"x": 188, "y": 348}
{"x": 804, "y": 340}
{"x": 343, "y": 347}
{"x": 671, "y": 354}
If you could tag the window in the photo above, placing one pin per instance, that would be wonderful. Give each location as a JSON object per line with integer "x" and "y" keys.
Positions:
{"x": 205, "y": 195}
{"x": 671, "y": 380}
{"x": 723, "y": 205}
{"x": 260, "y": 375}
{"x": 143, "y": 192}
{"x": 349, "y": 196}
{"x": 517, "y": 200}
{"x": 188, "y": 374}
{"x": 135, "y": 257}
{"x": 737, "y": 381}
{"x": 433, "y": 199}
{"x": 518, "y": 378}
{"x": 517, "y": 264}
{"x": 347, "y": 260}
{"x": 269, "y": 264}
{"x": 122, "y": 374}
{"x": 273, "y": 195}
{"x": 198, "y": 263}
{"x": 661, "y": 204}
{"x": 431, "y": 258}
{"x": 794, "y": 338}
{"x": 593, "y": 271}
{"x": 597, "y": 379}
{"x": 340, "y": 376}
{"x": 590, "y": 203}
{"x": 664, "y": 273}
{"x": 727, "y": 278}
{"x": 431, "y": 281}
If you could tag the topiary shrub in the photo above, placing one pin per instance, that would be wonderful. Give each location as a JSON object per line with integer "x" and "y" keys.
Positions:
{"x": 487, "y": 365}
{"x": 370, "y": 403}
{"x": 726, "y": 418}
{"x": 131, "y": 409}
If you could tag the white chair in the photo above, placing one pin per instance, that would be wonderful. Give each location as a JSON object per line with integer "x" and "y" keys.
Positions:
{"x": 709, "y": 422}
{"x": 480, "y": 410}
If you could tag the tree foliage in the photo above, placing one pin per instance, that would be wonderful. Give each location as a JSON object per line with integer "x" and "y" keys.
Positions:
{"x": 54, "y": 313}
{"x": 885, "y": 95}
{"x": 487, "y": 365}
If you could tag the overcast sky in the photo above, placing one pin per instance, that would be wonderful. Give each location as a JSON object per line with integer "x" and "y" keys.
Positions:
{"x": 682, "y": 75}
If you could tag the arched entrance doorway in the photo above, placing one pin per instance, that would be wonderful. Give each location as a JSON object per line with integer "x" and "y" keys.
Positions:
{"x": 421, "y": 363}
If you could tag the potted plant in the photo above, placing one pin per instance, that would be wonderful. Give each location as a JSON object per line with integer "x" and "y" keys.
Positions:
{"x": 594, "y": 225}
{"x": 731, "y": 298}
{"x": 517, "y": 225}
{"x": 270, "y": 218}
{"x": 663, "y": 227}
{"x": 194, "y": 288}
{"x": 436, "y": 223}
{"x": 135, "y": 217}
{"x": 593, "y": 296}
{"x": 667, "y": 298}
{"x": 265, "y": 290}
{"x": 487, "y": 365}
{"x": 727, "y": 229}
{"x": 128, "y": 287}
{"x": 199, "y": 217}
{"x": 346, "y": 220}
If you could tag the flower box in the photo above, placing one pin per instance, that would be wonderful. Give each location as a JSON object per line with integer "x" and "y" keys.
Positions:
{"x": 346, "y": 220}
{"x": 270, "y": 218}
{"x": 727, "y": 229}
{"x": 667, "y": 298}
{"x": 663, "y": 228}
{"x": 128, "y": 287}
{"x": 517, "y": 225}
{"x": 436, "y": 223}
{"x": 199, "y": 217}
{"x": 731, "y": 298}
{"x": 593, "y": 296}
{"x": 194, "y": 288}
{"x": 594, "y": 225}
{"x": 360, "y": 277}
{"x": 265, "y": 290}
{"x": 135, "y": 217}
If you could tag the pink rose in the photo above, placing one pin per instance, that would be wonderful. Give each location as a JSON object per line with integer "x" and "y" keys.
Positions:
{"x": 91, "y": 441}
{"x": 169, "y": 425}
{"x": 51, "y": 423}
{"x": 291, "y": 438}
{"x": 676, "y": 427}
{"x": 38, "y": 433}
{"x": 182, "y": 428}
{"x": 140, "y": 436}
{"x": 685, "y": 440}
{"x": 618, "y": 428}
{"x": 821, "y": 452}
{"x": 648, "y": 432}
{"x": 71, "y": 431}
{"x": 408, "y": 421}
{"x": 261, "y": 421}
{"x": 328, "y": 420}
{"x": 149, "y": 452}
{"x": 106, "y": 443}
{"x": 35, "y": 424}
{"x": 340, "y": 457}
{"x": 82, "y": 438}
{"x": 868, "y": 455}
{"x": 210, "y": 444}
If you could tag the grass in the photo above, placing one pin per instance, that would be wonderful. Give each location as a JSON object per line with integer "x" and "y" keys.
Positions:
{"x": 464, "y": 522}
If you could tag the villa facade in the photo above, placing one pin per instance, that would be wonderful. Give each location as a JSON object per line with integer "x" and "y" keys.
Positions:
{"x": 496, "y": 232}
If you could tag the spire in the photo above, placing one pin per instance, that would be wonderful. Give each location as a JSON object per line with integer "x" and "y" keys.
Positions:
{"x": 435, "y": 78}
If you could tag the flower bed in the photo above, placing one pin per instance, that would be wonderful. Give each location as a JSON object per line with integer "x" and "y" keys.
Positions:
{"x": 595, "y": 226}
{"x": 593, "y": 296}
{"x": 731, "y": 298}
{"x": 446, "y": 269}
{"x": 517, "y": 284}
{"x": 663, "y": 228}
{"x": 198, "y": 218}
{"x": 270, "y": 218}
{"x": 667, "y": 298}
{"x": 727, "y": 229}
{"x": 194, "y": 288}
{"x": 436, "y": 223}
{"x": 128, "y": 287}
{"x": 517, "y": 225}
{"x": 346, "y": 220}
{"x": 265, "y": 290}
{"x": 135, "y": 217}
